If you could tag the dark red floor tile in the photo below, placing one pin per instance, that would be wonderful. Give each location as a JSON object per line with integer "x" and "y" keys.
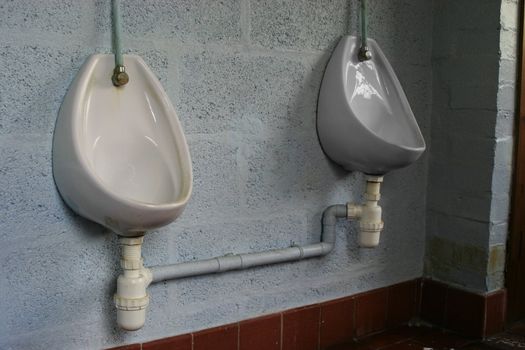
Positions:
{"x": 301, "y": 329}
{"x": 337, "y": 322}
{"x": 181, "y": 342}
{"x": 433, "y": 300}
{"x": 401, "y": 303}
{"x": 127, "y": 347}
{"x": 419, "y": 292}
{"x": 465, "y": 313}
{"x": 263, "y": 333}
{"x": 370, "y": 314}
{"x": 518, "y": 328}
{"x": 434, "y": 338}
{"x": 348, "y": 346}
{"x": 406, "y": 345}
{"x": 478, "y": 346}
{"x": 220, "y": 338}
{"x": 390, "y": 337}
{"x": 506, "y": 341}
{"x": 496, "y": 312}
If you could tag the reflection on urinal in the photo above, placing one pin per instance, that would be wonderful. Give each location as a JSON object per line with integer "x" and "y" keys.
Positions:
{"x": 364, "y": 120}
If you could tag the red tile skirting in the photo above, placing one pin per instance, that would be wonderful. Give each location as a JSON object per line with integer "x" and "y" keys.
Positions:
{"x": 370, "y": 314}
{"x": 433, "y": 300}
{"x": 263, "y": 333}
{"x": 301, "y": 328}
{"x": 181, "y": 342}
{"x": 337, "y": 321}
{"x": 465, "y": 312}
{"x": 219, "y": 338}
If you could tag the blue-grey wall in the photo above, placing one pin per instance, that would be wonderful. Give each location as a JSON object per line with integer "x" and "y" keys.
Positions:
{"x": 244, "y": 77}
{"x": 470, "y": 167}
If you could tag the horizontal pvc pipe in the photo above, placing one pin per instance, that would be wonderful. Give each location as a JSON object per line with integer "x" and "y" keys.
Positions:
{"x": 248, "y": 260}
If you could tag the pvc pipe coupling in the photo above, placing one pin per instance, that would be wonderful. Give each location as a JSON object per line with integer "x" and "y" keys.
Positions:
{"x": 368, "y": 214}
{"x": 131, "y": 298}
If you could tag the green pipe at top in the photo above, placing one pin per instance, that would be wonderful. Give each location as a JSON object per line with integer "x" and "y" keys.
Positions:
{"x": 115, "y": 17}
{"x": 364, "y": 24}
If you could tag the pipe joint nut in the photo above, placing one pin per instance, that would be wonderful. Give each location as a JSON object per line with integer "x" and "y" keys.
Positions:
{"x": 128, "y": 304}
{"x": 372, "y": 196}
{"x": 120, "y": 77}
{"x": 364, "y": 54}
{"x": 371, "y": 226}
{"x": 128, "y": 264}
{"x": 353, "y": 211}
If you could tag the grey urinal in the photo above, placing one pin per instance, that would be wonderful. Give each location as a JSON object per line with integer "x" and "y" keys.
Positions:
{"x": 364, "y": 120}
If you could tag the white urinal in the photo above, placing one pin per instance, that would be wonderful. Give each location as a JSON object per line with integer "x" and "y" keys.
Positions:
{"x": 364, "y": 120}
{"x": 120, "y": 157}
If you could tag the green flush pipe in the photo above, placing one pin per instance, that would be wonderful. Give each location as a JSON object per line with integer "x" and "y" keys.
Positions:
{"x": 120, "y": 77}
{"x": 364, "y": 52}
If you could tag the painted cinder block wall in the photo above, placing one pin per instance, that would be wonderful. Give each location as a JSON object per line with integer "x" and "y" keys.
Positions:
{"x": 470, "y": 167}
{"x": 244, "y": 77}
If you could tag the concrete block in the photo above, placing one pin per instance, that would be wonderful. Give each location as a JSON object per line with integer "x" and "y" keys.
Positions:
{"x": 495, "y": 281}
{"x": 240, "y": 93}
{"x": 508, "y": 71}
{"x": 509, "y": 45}
{"x": 498, "y": 233}
{"x": 452, "y": 202}
{"x": 500, "y": 208}
{"x": 34, "y": 83}
{"x": 401, "y": 29}
{"x": 216, "y": 180}
{"x": 458, "y": 176}
{"x": 472, "y": 123}
{"x": 505, "y": 123}
{"x": 509, "y": 15}
{"x": 187, "y": 21}
{"x": 457, "y": 229}
{"x": 466, "y": 15}
{"x": 472, "y": 96}
{"x": 507, "y": 97}
{"x": 52, "y": 16}
{"x": 417, "y": 84}
{"x": 284, "y": 171}
{"x": 31, "y": 206}
{"x": 243, "y": 235}
{"x": 66, "y": 271}
{"x": 298, "y": 25}
{"x": 157, "y": 60}
{"x": 445, "y": 254}
{"x": 474, "y": 70}
{"x": 477, "y": 42}
{"x": 496, "y": 259}
{"x": 504, "y": 155}
{"x": 502, "y": 180}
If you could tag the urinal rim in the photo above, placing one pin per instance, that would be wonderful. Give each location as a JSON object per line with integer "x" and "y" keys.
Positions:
{"x": 377, "y": 50}
{"x": 79, "y": 110}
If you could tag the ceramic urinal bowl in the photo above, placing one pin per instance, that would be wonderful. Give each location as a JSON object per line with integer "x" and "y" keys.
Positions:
{"x": 364, "y": 121}
{"x": 120, "y": 157}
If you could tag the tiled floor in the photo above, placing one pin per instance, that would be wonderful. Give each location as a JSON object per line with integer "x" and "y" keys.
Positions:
{"x": 422, "y": 338}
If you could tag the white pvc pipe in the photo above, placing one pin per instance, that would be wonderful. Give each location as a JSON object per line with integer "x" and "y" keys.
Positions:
{"x": 248, "y": 260}
{"x": 370, "y": 220}
{"x": 132, "y": 299}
